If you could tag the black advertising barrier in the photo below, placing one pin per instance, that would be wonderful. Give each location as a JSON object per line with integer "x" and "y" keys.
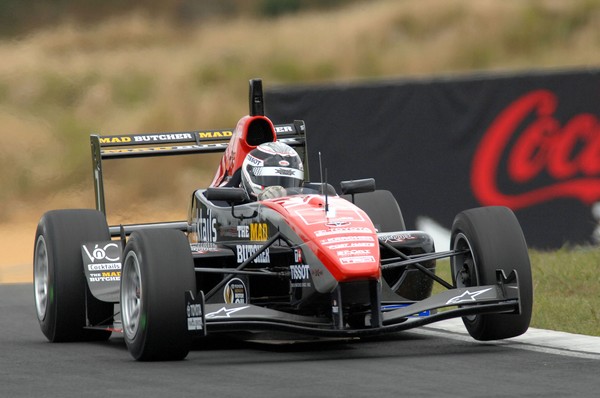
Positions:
{"x": 529, "y": 141}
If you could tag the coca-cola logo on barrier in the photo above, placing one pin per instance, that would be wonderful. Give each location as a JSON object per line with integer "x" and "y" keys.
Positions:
{"x": 537, "y": 158}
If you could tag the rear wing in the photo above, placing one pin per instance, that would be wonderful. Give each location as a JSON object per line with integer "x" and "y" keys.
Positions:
{"x": 105, "y": 147}
{"x": 182, "y": 143}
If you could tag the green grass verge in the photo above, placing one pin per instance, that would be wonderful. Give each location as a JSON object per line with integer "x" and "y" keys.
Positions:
{"x": 565, "y": 286}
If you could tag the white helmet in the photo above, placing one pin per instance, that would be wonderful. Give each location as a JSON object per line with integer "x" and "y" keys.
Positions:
{"x": 271, "y": 164}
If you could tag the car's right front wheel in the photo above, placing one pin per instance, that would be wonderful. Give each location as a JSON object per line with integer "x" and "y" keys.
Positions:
{"x": 157, "y": 271}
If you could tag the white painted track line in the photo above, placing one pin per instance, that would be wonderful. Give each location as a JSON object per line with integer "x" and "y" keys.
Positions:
{"x": 540, "y": 340}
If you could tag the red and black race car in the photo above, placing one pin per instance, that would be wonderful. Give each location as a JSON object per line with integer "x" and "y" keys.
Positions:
{"x": 309, "y": 262}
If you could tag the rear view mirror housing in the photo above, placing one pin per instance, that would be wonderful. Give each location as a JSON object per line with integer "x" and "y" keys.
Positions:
{"x": 229, "y": 195}
{"x": 352, "y": 187}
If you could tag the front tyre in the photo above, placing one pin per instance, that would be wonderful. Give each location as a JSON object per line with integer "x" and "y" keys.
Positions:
{"x": 63, "y": 301}
{"x": 157, "y": 271}
{"x": 493, "y": 239}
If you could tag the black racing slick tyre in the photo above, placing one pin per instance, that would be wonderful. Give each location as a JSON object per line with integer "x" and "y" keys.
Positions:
{"x": 63, "y": 300}
{"x": 382, "y": 208}
{"x": 493, "y": 239}
{"x": 158, "y": 269}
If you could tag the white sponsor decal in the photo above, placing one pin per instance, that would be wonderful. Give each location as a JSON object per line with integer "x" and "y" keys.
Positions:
{"x": 244, "y": 252}
{"x": 336, "y": 231}
{"x": 206, "y": 228}
{"x": 203, "y": 247}
{"x": 102, "y": 253}
{"x": 357, "y": 260}
{"x": 397, "y": 237}
{"x": 283, "y": 129}
{"x": 300, "y": 271}
{"x": 300, "y": 274}
{"x": 112, "y": 276}
{"x": 194, "y": 316}
{"x": 346, "y": 253}
{"x": 104, "y": 267}
{"x": 351, "y": 245}
{"x": 235, "y": 292}
{"x": 104, "y": 261}
{"x": 337, "y": 223}
{"x": 224, "y": 312}
{"x": 467, "y": 296}
{"x": 243, "y": 231}
{"x": 336, "y": 239}
{"x": 194, "y": 323}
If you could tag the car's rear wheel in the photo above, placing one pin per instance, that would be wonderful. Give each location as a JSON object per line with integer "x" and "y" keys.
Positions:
{"x": 492, "y": 239}
{"x": 157, "y": 271}
{"x": 63, "y": 301}
{"x": 384, "y": 211}
{"x": 382, "y": 208}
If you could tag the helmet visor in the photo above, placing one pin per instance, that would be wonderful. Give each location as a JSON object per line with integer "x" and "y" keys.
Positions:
{"x": 283, "y": 176}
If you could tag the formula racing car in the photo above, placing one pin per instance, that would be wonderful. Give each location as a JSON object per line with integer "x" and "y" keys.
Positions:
{"x": 307, "y": 260}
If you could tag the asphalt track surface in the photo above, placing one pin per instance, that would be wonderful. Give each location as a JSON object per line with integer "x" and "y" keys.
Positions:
{"x": 424, "y": 363}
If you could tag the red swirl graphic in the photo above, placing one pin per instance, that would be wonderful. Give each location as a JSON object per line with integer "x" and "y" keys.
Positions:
{"x": 569, "y": 154}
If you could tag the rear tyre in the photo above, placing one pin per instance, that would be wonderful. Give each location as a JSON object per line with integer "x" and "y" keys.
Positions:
{"x": 157, "y": 271}
{"x": 382, "y": 208}
{"x": 60, "y": 289}
{"x": 494, "y": 240}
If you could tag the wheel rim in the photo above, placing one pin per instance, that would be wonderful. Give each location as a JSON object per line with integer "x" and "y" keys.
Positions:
{"x": 40, "y": 278}
{"x": 464, "y": 266}
{"x": 131, "y": 295}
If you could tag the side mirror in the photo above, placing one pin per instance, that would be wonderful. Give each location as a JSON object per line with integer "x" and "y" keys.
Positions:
{"x": 358, "y": 186}
{"x": 229, "y": 195}
{"x": 233, "y": 196}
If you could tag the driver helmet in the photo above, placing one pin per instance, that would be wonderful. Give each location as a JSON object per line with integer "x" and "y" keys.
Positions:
{"x": 271, "y": 164}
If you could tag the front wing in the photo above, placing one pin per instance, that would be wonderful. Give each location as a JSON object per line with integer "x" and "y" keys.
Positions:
{"x": 502, "y": 297}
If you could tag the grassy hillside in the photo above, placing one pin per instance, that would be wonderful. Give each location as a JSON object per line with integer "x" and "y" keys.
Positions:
{"x": 18, "y": 17}
{"x": 139, "y": 73}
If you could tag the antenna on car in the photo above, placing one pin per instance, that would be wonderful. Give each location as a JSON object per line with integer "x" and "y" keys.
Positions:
{"x": 323, "y": 183}
{"x": 321, "y": 171}
{"x": 257, "y": 105}
{"x": 326, "y": 194}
